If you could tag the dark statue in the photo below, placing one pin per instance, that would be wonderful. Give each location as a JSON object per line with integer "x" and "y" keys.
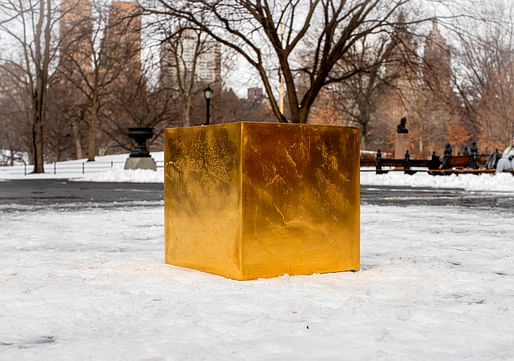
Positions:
{"x": 402, "y": 126}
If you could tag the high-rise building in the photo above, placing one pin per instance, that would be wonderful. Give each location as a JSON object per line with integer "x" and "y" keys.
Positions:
{"x": 401, "y": 67}
{"x": 10, "y": 76}
{"x": 436, "y": 99}
{"x": 190, "y": 53}
{"x": 437, "y": 62}
{"x": 76, "y": 27}
{"x": 123, "y": 38}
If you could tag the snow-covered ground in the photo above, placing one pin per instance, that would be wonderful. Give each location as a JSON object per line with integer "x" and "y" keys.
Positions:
{"x": 435, "y": 283}
{"x": 110, "y": 169}
{"x": 91, "y": 284}
{"x": 104, "y": 169}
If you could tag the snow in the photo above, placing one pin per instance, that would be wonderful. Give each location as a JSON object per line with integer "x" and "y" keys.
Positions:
{"x": 98, "y": 289}
{"x": 471, "y": 182}
{"x": 110, "y": 169}
{"x": 104, "y": 169}
{"x": 91, "y": 284}
{"x": 130, "y": 176}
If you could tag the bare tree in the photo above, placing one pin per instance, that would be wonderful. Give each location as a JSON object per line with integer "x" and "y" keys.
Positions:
{"x": 379, "y": 66}
{"x": 66, "y": 109}
{"x": 190, "y": 61}
{"x": 253, "y": 30}
{"x": 15, "y": 118}
{"x": 109, "y": 52}
{"x": 30, "y": 24}
{"x": 134, "y": 103}
{"x": 485, "y": 82}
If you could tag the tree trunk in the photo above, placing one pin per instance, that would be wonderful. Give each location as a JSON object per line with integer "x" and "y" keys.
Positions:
{"x": 365, "y": 118}
{"x": 91, "y": 138}
{"x": 12, "y": 158}
{"x": 37, "y": 133}
{"x": 364, "y": 131}
{"x": 299, "y": 115}
{"x": 76, "y": 138}
{"x": 186, "y": 111}
{"x": 91, "y": 141}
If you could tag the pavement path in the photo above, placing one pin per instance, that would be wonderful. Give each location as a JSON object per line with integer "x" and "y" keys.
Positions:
{"x": 405, "y": 196}
{"x": 36, "y": 194}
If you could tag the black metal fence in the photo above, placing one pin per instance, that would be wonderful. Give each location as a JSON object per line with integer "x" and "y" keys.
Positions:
{"x": 83, "y": 168}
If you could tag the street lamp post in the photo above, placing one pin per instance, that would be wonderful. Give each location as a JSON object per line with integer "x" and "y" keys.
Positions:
{"x": 207, "y": 93}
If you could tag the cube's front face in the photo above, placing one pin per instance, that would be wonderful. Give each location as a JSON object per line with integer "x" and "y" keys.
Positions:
{"x": 250, "y": 200}
{"x": 300, "y": 199}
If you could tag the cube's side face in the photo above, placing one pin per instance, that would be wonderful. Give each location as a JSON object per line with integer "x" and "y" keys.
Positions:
{"x": 301, "y": 193}
{"x": 202, "y": 192}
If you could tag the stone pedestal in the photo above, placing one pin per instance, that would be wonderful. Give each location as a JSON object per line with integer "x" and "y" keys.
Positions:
{"x": 251, "y": 200}
{"x": 140, "y": 163}
{"x": 401, "y": 145}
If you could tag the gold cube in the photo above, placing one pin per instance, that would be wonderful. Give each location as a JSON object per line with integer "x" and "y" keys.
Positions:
{"x": 251, "y": 200}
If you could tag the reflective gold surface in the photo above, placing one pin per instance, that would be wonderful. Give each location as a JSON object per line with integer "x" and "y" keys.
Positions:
{"x": 251, "y": 200}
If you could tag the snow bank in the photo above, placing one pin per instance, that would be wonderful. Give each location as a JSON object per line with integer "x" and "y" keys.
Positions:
{"x": 129, "y": 176}
{"x": 482, "y": 182}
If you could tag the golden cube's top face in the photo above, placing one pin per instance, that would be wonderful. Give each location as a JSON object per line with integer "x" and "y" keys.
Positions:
{"x": 250, "y": 200}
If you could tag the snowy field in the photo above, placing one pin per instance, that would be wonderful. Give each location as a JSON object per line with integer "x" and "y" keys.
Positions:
{"x": 435, "y": 283}
{"x": 92, "y": 285}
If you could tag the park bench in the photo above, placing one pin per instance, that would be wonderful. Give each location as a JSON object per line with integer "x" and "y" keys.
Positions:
{"x": 397, "y": 164}
{"x": 402, "y": 165}
{"x": 457, "y": 164}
